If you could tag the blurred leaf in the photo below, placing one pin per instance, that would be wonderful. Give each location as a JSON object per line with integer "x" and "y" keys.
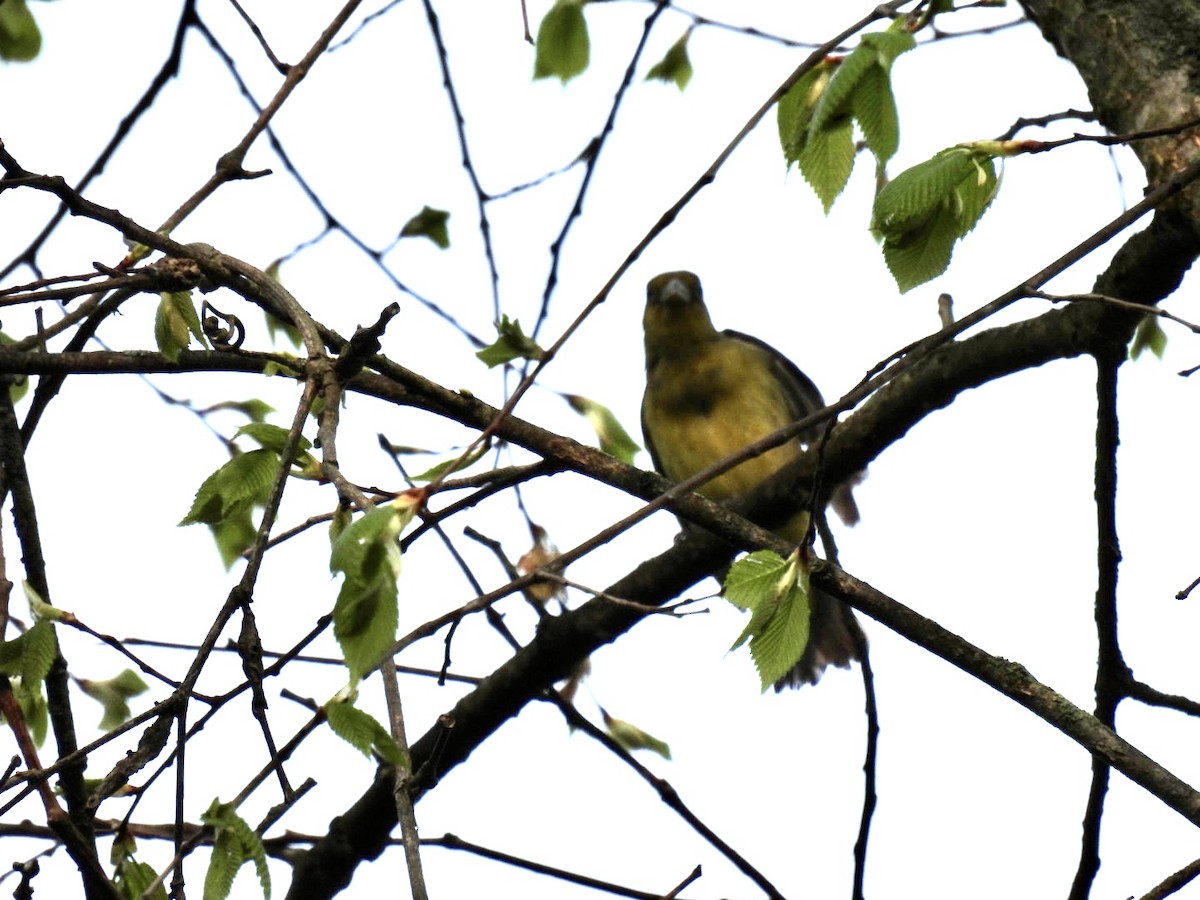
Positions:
{"x": 429, "y": 223}
{"x": 675, "y": 66}
{"x": 114, "y": 694}
{"x": 631, "y": 737}
{"x": 253, "y": 409}
{"x": 20, "y": 39}
{"x": 512, "y": 344}
{"x": 456, "y": 464}
{"x": 542, "y": 553}
{"x": 614, "y": 439}
{"x": 19, "y": 385}
{"x": 1149, "y": 336}
{"x": 132, "y": 878}
{"x": 563, "y": 48}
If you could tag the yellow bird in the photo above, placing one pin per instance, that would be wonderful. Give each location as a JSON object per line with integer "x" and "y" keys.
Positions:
{"x": 710, "y": 393}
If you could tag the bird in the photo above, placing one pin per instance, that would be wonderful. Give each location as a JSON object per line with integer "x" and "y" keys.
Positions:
{"x": 710, "y": 393}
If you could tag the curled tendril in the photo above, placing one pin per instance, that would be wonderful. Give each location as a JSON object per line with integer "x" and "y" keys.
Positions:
{"x": 223, "y": 330}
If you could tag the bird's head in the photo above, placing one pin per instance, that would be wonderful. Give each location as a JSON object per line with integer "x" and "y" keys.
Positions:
{"x": 675, "y": 317}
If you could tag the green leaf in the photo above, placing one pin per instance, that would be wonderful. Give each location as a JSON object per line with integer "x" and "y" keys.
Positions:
{"x": 34, "y": 709}
{"x": 271, "y": 437}
{"x": 175, "y": 323}
{"x": 253, "y": 409}
{"x": 835, "y": 101}
{"x": 631, "y": 737}
{"x": 38, "y": 607}
{"x": 1149, "y": 336}
{"x": 457, "y": 464}
{"x": 132, "y": 878}
{"x": 19, "y": 384}
{"x": 30, "y": 654}
{"x": 20, "y": 39}
{"x": 614, "y": 439}
{"x": 39, "y": 653}
{"x": 563, "y": 48}
{"x": 234, "y": 535}
{"x": 828, "y": 158}
{"x": 512, "y": 344}
{"x": 362, "y": 731}
{"x": 113, "y": 694}
{"x": 776, "y": 592}
{"x": 366, "y": 612}
{"x": 925, "y": 210}
{"x": 874, "y": 109}
{"x": 243, "y": 481}
{"x": 234, "y": 843}
{"x": 794, "y": 113}
{"x": 675, "y": 66}
{"x": 429, "y": 223}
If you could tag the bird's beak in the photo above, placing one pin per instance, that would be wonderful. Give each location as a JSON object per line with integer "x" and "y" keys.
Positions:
{"x": 675, "y": 290}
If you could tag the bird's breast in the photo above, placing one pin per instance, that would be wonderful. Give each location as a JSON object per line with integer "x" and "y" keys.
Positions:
{"x": 712, "y": 405}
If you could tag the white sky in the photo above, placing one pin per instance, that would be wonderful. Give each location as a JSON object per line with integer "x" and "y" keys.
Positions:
{"x": 979, "y": 518}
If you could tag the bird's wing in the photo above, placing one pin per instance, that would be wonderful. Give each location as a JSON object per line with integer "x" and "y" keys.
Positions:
{"x": 802, "y": 394}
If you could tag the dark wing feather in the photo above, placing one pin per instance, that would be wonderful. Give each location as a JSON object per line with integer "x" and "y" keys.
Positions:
{"x": 803, "y": 395}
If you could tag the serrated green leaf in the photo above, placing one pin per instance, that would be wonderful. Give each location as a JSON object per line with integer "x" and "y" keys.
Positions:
{"x": 234, "y": 843}
{"x": 794, "y": 113}
{"x": 675, "y": 65}
{"x": 631, "y": 737}
{"x": 366, "y": 612}
{"x": 244, "y": 480}
{"x": 1148, "y": 336}
{"x": 271, "y": 437}
{"x": 429, "y": 223}
{"x": 362, "y": 731}
{"x": 828, "y": 159}
{"x": 39, "y": 653}
{"x": 923, "y": 253}
{"x": 563, "y": 48}
{"x": 511, "y": 344}
{"x": 925, "y": 210}
{"x": 909, "y": 199}
{"x": 20, "y": 39}
{"x": 889, "y": 44}
{"x": 835, "y": 100}
{"x": 614, "y": 439}
{"x": 776, "y": 592}
{"x": 874, "y": 109}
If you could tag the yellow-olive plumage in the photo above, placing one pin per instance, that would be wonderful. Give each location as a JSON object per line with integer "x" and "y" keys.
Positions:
{"x": 710, "y": 393}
